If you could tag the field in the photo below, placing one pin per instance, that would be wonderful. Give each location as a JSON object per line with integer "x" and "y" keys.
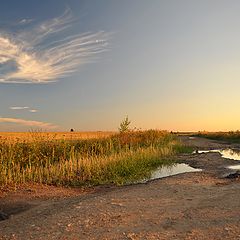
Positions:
{"x": 34, "y": 136}
{"x": 231, "y": 136}
{"x": 84, "y": 158}
{"x": 197, "y": 205}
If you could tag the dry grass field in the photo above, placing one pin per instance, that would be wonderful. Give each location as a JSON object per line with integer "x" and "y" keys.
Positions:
{"x": 231, "y": 136}
{"x": 34, "y": 135}
{"x": 83, "y": 158}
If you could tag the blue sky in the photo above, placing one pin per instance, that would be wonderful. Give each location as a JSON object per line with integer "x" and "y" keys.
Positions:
{"x": 87, "y": 64}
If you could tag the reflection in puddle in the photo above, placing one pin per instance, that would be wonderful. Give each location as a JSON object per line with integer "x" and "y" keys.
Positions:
{"x": 226, "y": 153}
{"x": 191, "y": 138}
{"x": 166, "y": 171}
{"x": 234, "y": 167}
{"x": 229, "y": 153}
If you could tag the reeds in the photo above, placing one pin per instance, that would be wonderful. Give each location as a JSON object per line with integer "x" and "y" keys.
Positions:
{"x": 115, "y": 159}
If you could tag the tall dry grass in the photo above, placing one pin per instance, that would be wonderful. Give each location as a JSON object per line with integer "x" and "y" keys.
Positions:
{"x": 33, "y": 136}
{"x": 116, "y": 159}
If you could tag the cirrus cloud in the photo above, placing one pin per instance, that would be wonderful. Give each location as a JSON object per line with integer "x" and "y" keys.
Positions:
{"x": 39, "y": 55}
{"x": 18, "y": 108}
{"x": 24, "y": 108}
{"x": 29, "y": 123}
{"x": 25, "y": 21}
{"x": 33, "y": 110}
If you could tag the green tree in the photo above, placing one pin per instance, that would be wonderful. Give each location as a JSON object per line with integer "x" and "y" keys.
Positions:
{"x": 124, "y": 125}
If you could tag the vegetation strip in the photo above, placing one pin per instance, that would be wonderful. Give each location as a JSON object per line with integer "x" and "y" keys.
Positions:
{"x": 119, "y": 158}
{"x": 231, "y": 136}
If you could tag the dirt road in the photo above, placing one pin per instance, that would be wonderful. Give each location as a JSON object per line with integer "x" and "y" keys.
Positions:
{"x": 201, "y": 205}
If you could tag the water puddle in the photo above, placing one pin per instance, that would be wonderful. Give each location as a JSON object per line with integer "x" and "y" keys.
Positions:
{"x": 225, "y": 153}
{"x": 166, "y": 171}
{"x": 191, "y": 138}
{"x": 233, "y": 154}
{"x": 234, "y": 167}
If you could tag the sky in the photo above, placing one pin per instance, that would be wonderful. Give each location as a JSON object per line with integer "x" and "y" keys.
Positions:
{"x": 87, "y": 64}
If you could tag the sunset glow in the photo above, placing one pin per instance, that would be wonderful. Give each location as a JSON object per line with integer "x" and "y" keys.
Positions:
{"x": 86, "y": 65}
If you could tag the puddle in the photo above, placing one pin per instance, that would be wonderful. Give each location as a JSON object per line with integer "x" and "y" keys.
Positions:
{"x": 234, "y": 167}
{"x": 191, "y": 138}
{"x": 175, "y": 169}
{"x": 225, "y": 153}
{"x": 228, "y": 153}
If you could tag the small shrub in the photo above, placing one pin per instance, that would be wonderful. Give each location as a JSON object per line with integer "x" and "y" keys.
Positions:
{"x": 124, "y": 125}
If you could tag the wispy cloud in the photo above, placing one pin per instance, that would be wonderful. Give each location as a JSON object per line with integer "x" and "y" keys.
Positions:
{"x": 18, "y": 108}
{"x": 24, "y": 108}
{"x": 33, "y": 110}
{"x": 29, "y": 123}
{"x": 25, "y": 21}
{"x": 39, "y": 55}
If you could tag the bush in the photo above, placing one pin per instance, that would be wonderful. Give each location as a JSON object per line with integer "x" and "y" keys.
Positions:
{"x": 124, "y": 125}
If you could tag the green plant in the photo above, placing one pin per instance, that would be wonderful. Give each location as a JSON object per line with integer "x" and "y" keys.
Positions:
{"x": 124, "y": 125}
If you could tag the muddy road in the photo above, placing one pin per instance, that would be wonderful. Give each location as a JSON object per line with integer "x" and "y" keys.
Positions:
{"x": 200, "y": 205}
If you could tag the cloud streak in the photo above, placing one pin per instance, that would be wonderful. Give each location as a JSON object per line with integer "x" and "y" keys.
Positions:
{"x": 39, "y": 55}
{"x": 33, "y": 110}
{"x": 18, "y": 108}
{"x": 25, "y": 21}
{"x": 29, "y": 123}
{"x": 24, "y": 108}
